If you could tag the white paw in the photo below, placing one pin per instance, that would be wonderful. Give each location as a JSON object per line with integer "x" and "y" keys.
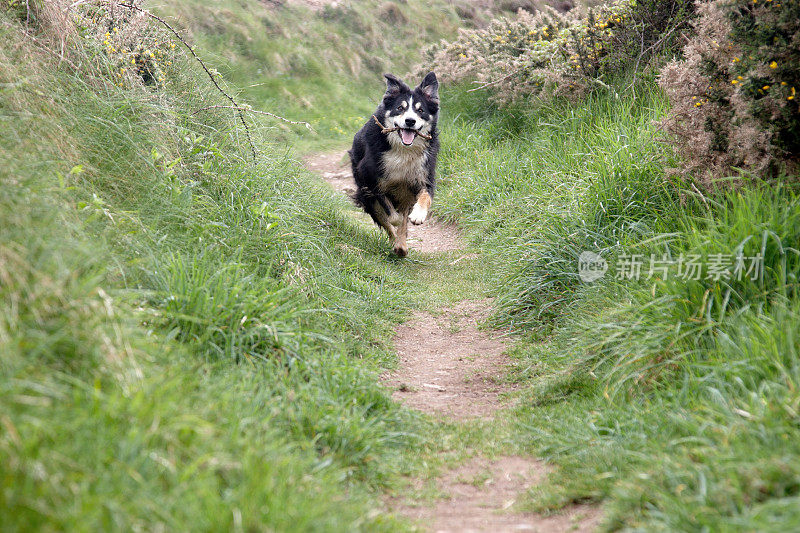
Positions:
{"x": 418, "y": 215}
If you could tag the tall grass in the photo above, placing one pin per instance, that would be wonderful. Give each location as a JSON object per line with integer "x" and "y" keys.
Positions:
{"x": 184, "y": 341}
{"x": 671, "y": 400}
{"x": 544, "y": 183}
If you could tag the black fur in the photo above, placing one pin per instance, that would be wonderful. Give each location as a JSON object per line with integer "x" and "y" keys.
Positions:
{"x": 370, "y": 146}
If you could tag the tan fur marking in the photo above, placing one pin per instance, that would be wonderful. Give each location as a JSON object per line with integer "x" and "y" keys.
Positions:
{"x": 424, "y": 199}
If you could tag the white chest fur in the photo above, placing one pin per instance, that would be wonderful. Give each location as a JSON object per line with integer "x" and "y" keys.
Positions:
{"x": 404, "y": 169}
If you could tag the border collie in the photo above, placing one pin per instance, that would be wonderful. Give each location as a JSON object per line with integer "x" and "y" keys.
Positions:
{"x": 394, "y": 158}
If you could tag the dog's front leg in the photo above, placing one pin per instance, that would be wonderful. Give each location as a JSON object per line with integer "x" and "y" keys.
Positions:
{"x": 400, "y": 246}
{"x": 420, "y": 211}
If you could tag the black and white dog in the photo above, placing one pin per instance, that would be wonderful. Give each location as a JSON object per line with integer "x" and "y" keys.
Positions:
{"x": 394, "y": 163}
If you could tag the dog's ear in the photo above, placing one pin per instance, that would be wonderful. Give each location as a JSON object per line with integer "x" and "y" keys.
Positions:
{"x": 394, "y": 86}
{"x": 430, "y": 87}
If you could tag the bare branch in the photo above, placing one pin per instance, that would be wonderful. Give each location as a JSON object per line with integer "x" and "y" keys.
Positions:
{"x": 495, "y": 82}
{"x": 236, "y": 105}
{"x": 251, "y": 110}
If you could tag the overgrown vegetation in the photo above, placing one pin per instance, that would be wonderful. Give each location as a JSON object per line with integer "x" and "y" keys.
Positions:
{"x": 568, "y": 54}
{"x": 188, "y": 339}
{"x": 733, "y": 95}
{"x": 666, "y": 388}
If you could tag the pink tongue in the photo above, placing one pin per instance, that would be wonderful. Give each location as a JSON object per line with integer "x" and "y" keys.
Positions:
{"x": 407, "y": 136}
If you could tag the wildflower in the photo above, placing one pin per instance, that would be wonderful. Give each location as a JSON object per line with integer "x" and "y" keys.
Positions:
{"x": 734, "y": 82}
{"x": 783, "y": 84}
{"x": 773, "y": 65}
{"x": 766, "y": 87}
{"x": 735, "y": 59}
{"x": 791, "y": 96}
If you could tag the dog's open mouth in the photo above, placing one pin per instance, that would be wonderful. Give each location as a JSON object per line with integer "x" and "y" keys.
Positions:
{"x": 407, "y": 136}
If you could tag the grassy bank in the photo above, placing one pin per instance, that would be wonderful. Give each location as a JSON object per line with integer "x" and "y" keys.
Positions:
{"x": 324, "y": 65}
{"x": 673, "y": 400}
{"x": 189, "y": 338}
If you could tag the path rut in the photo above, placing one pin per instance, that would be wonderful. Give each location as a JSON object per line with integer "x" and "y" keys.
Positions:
{"x": 450, "y": 368}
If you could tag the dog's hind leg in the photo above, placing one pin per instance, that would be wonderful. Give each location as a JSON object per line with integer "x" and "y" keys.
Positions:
{"x": 400, "y": 246}
{"x": 392, "y": 215}
{"x": 379, "y": 208}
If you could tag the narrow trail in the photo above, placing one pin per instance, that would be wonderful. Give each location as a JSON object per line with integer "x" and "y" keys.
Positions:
{"x": 451, "y": 369}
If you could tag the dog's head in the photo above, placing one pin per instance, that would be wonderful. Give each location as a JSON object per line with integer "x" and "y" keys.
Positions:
{"x": 413, "y": 111}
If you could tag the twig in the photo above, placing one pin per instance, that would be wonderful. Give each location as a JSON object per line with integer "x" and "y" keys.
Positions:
{"x": 649, "y": 49}
{"x": 251, "y": 110}
{"x": 384, "y": 129}
{"x": 701, "y": 195}
{"x": 495, "y": 82}
{"x": 239, "y": 108}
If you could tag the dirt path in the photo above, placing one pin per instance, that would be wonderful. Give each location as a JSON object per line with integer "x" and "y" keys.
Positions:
{"x": 449, "y": 367}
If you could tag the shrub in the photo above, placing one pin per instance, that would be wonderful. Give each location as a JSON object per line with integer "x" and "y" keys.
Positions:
{"x": 136, "y": 50}
{"x": 556, "y": 53}
{"x": 733, "y": 93}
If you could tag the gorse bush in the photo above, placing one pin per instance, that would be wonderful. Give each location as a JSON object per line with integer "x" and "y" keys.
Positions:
{"x": 135, "y": 49}
{"x": 555, "y": 53}
{"x": 734, "y": 95}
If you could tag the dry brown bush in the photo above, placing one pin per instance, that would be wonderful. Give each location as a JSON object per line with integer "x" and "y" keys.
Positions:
{"x": 733, "y": 93}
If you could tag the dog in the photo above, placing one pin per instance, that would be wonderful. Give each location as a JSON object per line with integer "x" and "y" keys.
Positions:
{"x": 394, "y": 158}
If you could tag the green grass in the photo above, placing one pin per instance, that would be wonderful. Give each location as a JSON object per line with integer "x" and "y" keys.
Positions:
{"x": 189, "y": 339}
{"x": 673, "y": 402}
{"x": 325, "y": 67}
